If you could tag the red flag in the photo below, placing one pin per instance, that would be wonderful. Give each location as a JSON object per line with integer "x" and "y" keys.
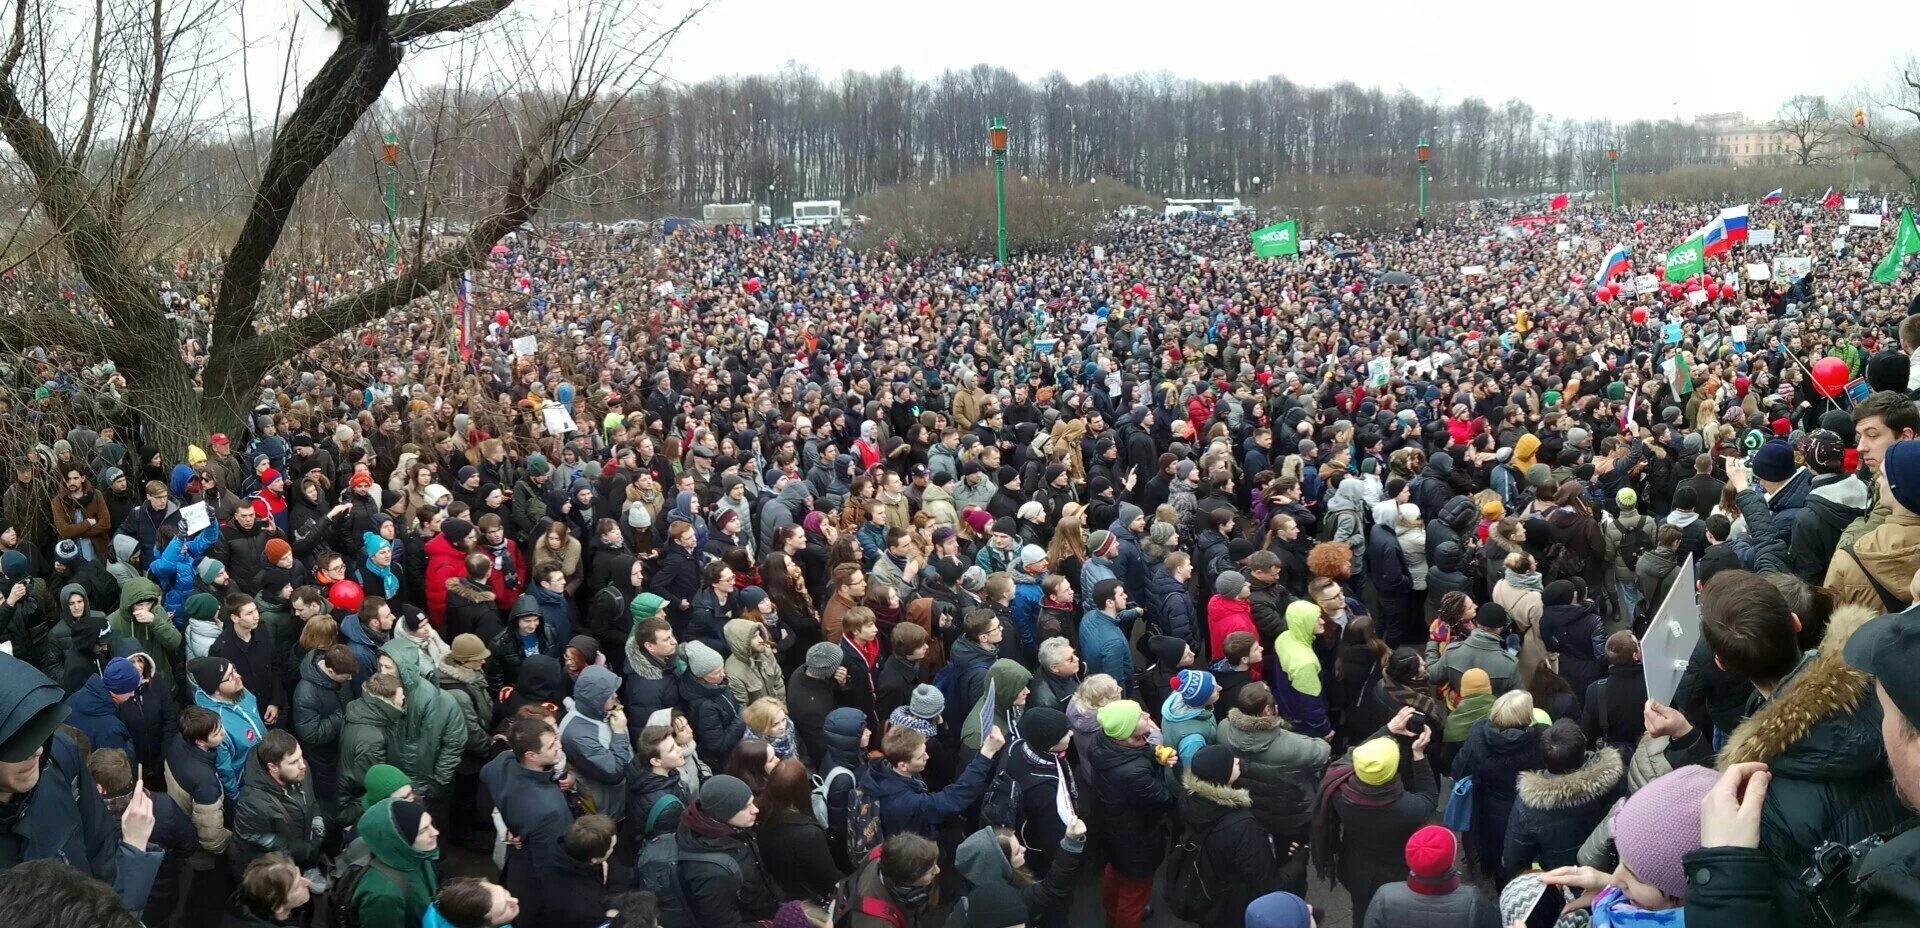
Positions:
{"x": 1558, "y": 203}
{"x": 1832, "y": 200}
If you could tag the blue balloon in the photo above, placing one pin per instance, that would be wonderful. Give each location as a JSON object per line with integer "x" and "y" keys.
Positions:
{"x": 564, "y": 394}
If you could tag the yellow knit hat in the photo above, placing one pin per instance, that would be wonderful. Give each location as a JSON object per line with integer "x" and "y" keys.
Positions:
{"x": 1376, "y": 761}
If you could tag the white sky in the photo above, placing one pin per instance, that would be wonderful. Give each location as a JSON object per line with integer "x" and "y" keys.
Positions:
{"x": 1617, "y": 59}
{"x": 1612, "y": 59}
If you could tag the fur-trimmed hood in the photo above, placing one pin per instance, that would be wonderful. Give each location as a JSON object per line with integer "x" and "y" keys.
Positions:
{"x": 1226, "y": 797}
{"x": 1246, "y": 722}
{"x": 1809, "y": 723}
{"x": 1593, "y": 781}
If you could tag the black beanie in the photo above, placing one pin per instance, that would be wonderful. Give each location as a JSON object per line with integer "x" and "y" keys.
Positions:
{"x": 1213, "y": 763}
{"x": 1888, "y": 371}
{"x": 207, "y": 672}
{"x": 406, "y": 820}
{"x": 1043, "y": 727}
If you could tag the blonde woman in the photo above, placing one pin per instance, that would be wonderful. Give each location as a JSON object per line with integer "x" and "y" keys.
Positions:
{"x": 1497, "y": 749}
{"x": 767, "y": 720}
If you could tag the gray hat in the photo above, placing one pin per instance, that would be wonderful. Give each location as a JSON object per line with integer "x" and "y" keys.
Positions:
{"x": 1577, "y": 436}
{"x": 1691, "y": 443}
{"x": 1161, "y": 533}
{"x": 1503, "y": 455}
{"x": 702, "y": 659}
{"x": 1183, "y": 470}
{"x": 1230, "y": 584}
{"x": 926, "y": 702}
{"x": 1539, "y": 475}
{"x": 823, "y": 659}
{"x": 974, "y": 579}
{"x": 723, "y": 797}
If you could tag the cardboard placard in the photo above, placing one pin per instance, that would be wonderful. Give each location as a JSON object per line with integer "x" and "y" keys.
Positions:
{"x": 195, "y": 518}
{"x": 986, "y": 711}
{"x": 559, "y": 419}
{"x": 1792, "y": 267}
{"x": 1646, "y": 283}
{"x": 1850, "y": 203}
{"x": 1864, "y": 220}
{"x": 1670, "y": 639}
{"x": 1760, "y": 237}
{"x": 525, "y": 346}
{"x": 1697, "y": 298}
{"x": 1474, "y": 270}
{"x": 1757, "y": 272}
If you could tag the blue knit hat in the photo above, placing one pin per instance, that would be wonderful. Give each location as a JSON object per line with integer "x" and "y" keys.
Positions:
{"x": 1194, "y": 686}
{"x": 1774, "y": 461}
{"x": 121, "y": 676}
{"x": 1902, "y": 464}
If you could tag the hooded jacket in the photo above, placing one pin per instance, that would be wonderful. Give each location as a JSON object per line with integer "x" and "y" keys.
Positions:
{"x": 751, "y": 675}
{"x": 717, "y": 895}
{"x": 599, "y": 756}
{"x": 1555, "y": 812}
{"x": 244, "y": 727}
{"x": 444, "y": 563}
{"x": 271, "y": 816}
{"x": 319, "y": 714}
{"x": 907, "y": 805}
{"x": 96, "y": 716}
{"x": 173, "y": 569}
{"x": 1889, "y": 554}
{"x": 160, "y": 637}
{"x": 1236, "y": 854}
{"x": 715, "y": 715}
{"x": 433, "y": 732}
{"x": 1494, "y": 757}
{"x": 980, "y": 859}
{"x": 1296, "y": 692}
{"x": 1008, "y": 680}
{"x": 379, "y": 900}
{"x": 648, "y": 685}
{"x": 1283, "y": 802}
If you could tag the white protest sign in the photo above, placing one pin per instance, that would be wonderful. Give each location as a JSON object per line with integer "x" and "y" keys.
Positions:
{"x": 1645, "y": 283}
{"x": 1307, "y": 243}
{"x": 1738, "y": 335}
{"x": 559, "y": 419}
{"x": 525, "y": 346}
{"x": 1864, "y": 220}
{"x": 1850, "y": 203}
{"x": 1378, "y": 370}
{"x": 1099, "y": 254}
{"x": 1697, "y": 297}
{"x": 1760, "y": 237}
{"x": 1062, "y": 798}
{"x": 195, "y": 518}
{"x": 665, "y": 288}
{"x": 1560, "y": 227}
{"x": 1474, "y": 270}
{"x": 1564, "y": 246}
{"x": 1792, "y": 267}
{"x": 1756, "y": 272}
{"x": 1670, "y": 639}
{"x": 1839, "y": 244}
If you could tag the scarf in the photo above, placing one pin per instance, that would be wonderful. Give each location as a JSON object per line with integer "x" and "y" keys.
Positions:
{"x": 1612, "y": 910}
{"x": 1323, "y": 837}
{"x": 1523, "y": 581}
{"x": 388, "y": 582}
{"x": 1419, "y": 695}
{"x": 783, "y": 746}
{"x": 1439, "y": 887}
{"x": 903, "y": 715}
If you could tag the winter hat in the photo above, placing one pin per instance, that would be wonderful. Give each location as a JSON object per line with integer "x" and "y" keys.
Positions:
{"x": 67, "y": 552}
{"x": 751, "y": 599}
{"x": 406, "y": 820}
{"x": 382, "y": 781}
{"x": 468, "y": 650}
{"x": 1119, "y": 718}
{"x": 538, "y": 465}
{"x": 207, "y": 672}
{"x": 1824, "y": 451}
{"x": 823, "y": 659}
{"x": 1161, "y": 533}
{"x": 1194, "y": 686}
{"x": 1902, "y": 464}
{"x": 1032, "y": 556}
{"x": 702, "y": 659}
{"x": 1376, "y": 761}
{"x": 277, "y": 548}
{"x": 121, "y": 676}
{"x": 1656, "y": 826}
{"x": 14, "y": 565}
{"x": 1043, "y": 727}
{"x": 977, "y": 520}
{"x": 1627, "y": 498}
{"x": 1535, "y": 904}
{"x": 1279, "y": 910}
{"x": 1102, "y": 543}
{"x": 209, "y": 569}
{"x": 1431, "y": 854}
{"x": 722, "y": 797}
{"x": 944, "y": 534}
{"x": 1888, "y": 371}
{"x": 1774, "y": 461}
{"x": 646, "y": 606}
{"x": 456, "y": 530}
{"x": 1213, "y": 763}
{"x": 973, "y": 579}
{"x": 1230, "y": 584}
{"x": 927, "y": 702}
{"x": 791, "y": 915}
{"x": 1539, "y": 475}
{"x": 202, "y": 606}
{"x": 32, "y": 708}
{"x": 467, "y": 473}
{"x": 994, "y": 905}
{"x": 1475, "y": 682}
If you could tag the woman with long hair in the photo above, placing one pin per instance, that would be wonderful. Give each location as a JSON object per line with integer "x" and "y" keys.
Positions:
{"x": 1361, "y": 661}
{"x": 752, "y": 760}
{"x": 1068, "y": 550}
{"x": 793, "y": 845}
{"x": 792, "y": 603}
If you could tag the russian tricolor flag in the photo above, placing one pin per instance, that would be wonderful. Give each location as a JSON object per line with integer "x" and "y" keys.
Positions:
{"x": 1778, "y": 194}
{"x": 1615, "y": 262}
{"x": 1713, "y": 237}
{"x": 1734, "y": 220}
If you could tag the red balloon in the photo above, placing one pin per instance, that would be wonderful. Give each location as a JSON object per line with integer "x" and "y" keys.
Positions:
{"x": 1660, "y": 272}
{"x": 346, "y": 595}
{"x": 753, "y": 285}
{"x": 502, "y": 317}
{"x": 1639, "y": 315}
{"x": 1614, "y": 288}
{"x": 1829, "y": 376}
{"x": 1639, "y": 224}
{"x": 1604, "y": 295}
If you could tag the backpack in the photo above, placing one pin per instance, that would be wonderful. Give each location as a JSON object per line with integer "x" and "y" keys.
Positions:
{"x": 847, "y": 899}
{"x": 1633, "y": 543}
{"x": 823, "y": 793}
{"x": 1000, "y": 801}
{"x": 1189, "y": 892}
{"x": 863, "y": 823}
{"x": 1459, "y": 812}
{"x": 658, "y": 868}
{"x": 955, "y": 680}
{"x": 341, "y": 911}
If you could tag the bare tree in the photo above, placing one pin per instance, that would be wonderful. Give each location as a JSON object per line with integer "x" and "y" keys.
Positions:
{"x": 1896, "y": 144}
{"x": 99, "y": 170}
{"x": 1808, "y": 120}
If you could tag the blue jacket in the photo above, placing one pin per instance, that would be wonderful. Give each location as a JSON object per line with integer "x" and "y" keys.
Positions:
{"x": 1026, "y": 605}
{"x": 244, "y": 729}
{"x": 364, "y": 649}
{"x": 906, "y": 805}
{"x": 173, "y": 569}
{"x": 66, "y": 818}
{"x": 1093, "y": 571}
{"x": 1175, "y": 606}
{"x": 554, "y": 611}
{"x": 97, "y": 716}
{"x": 1103, "y": 648}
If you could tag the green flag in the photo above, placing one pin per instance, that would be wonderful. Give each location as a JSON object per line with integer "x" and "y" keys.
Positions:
{"x": 1686, "y": 260}
{"x": 1905, "y": 243}
{"x": 1281, "y": 238}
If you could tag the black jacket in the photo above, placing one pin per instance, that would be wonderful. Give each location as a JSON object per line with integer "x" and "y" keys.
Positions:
{"x": 1495, "y": 757}
{"x": 1556, "y": 812}
{"x": 1236, "y": 855}
{"x": 570, "y": 894}
{"x": 1610, "y": 708}
{"x": 894, "y": 686}
{"x": 1834, "y": 502}
{"x": 715, "y": 714}
{"x": 809, "y": 700}
{"x": 799, "y": 856}
{"x": 1135, "y": 796}
{"x": 319, "y": 712}
{"x": 1576, "y": 633}
{"x": 717, "y": 897}
{"x": 1374, "y": 832}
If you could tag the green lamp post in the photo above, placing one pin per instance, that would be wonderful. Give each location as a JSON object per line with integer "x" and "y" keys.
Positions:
{"x": 1421, "y": 151}
{"x": 390, "y": 154}
{"x": 997, "y": 137}
{"x": 1613, "y": 168}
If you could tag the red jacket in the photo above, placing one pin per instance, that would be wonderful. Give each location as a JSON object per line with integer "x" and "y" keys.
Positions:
{"x": 1226, "y": 616}
{"x": 498, "y": 581}
{"x": 444, "y": 563}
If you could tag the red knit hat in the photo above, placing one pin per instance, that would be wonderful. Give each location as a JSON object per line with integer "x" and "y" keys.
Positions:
{"x": 1431, "y": 853}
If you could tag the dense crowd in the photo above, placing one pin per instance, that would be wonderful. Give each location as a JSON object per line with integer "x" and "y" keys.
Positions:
{"x": 787, "y": 580}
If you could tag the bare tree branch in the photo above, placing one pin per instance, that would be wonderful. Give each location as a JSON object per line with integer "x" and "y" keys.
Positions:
{"x": 18, "y": 46}
{"x": 452, "y": 18}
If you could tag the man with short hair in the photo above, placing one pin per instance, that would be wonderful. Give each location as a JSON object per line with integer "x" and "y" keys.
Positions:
{"x": 472, "y": 902}
{"x": 1102, "y": 642}
{"x": 529, "y": 801}
{"x": 1830, "y": 783}
{"x": 366, "y": 727}
{"x": 250, "y": 649}
{"x": 652, "y": 678}
{"x": 277, "y": 810}
{"x": 319, "y": 714}
{"x": 1059, "y": 676}
{"x": 906, "y": 805}
{"x": 272, "y": 889}
{"x": 1881, "y": 419}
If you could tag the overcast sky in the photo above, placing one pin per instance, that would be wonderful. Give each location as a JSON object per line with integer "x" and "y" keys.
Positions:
{"x": 1619, "y": 60}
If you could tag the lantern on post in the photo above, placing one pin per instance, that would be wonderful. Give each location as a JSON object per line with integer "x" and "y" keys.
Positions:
{"x": 997, "y": 139}
{"x": 1421, "y": 152}
{"x": 1613, "y": 168}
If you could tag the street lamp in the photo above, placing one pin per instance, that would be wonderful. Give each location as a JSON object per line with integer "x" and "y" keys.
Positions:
{"x": 390, "y": 153}
{"x": 1421, "y": 152}
{"x": 1613, "y": 166}
{"x": 997, "y": 138}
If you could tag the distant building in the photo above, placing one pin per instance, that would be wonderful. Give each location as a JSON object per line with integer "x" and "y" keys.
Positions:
{"x": 1731, "y": 139}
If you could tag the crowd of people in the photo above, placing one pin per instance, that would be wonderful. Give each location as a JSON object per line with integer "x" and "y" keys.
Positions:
{"x": 789, "y": 580}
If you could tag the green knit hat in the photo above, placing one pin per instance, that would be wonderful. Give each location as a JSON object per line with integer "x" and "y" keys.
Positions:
{"x": 1119, "y": 718}
{"x": 383, "y": 780}
{"x": 646, "y": 606}
{"x": 202, "y": 606}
